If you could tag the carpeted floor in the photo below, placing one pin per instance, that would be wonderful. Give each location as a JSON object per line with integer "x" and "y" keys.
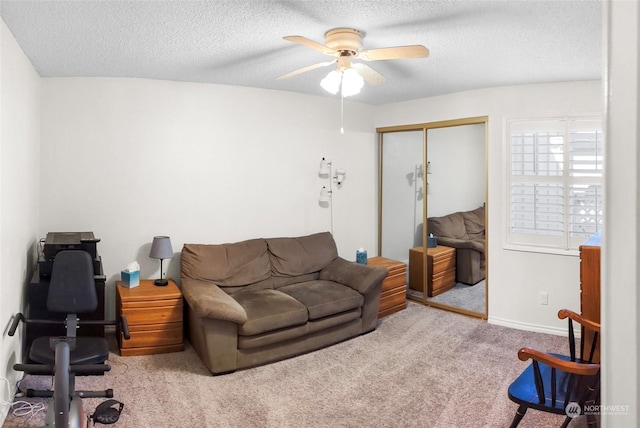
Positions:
{"x": 470, "y": 297}
{"x": 422, "y": 367}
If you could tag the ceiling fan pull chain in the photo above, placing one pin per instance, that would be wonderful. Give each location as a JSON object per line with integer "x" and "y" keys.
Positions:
{"x": 342, "y": 112}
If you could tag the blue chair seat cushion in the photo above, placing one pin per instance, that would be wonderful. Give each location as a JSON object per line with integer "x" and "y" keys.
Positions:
{"x": 523, "y": 389}
{"x": 88, "y": 350}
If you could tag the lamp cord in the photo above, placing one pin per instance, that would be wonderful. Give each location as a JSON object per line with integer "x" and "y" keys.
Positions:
{"x": 331, "y": 193}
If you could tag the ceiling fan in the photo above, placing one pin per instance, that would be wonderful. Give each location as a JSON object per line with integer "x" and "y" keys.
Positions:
{"x": 345, "y": 44}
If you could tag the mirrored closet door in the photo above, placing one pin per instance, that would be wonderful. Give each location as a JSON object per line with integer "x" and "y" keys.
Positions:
{"x": 437, "y": 171}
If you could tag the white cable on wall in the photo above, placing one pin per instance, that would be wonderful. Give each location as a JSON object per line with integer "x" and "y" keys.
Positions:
{"x": 21, "y": 408}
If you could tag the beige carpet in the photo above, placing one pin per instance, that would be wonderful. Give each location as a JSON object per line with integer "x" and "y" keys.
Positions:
{"x": 422, "y": 367}
{"x": 470, "y": 297}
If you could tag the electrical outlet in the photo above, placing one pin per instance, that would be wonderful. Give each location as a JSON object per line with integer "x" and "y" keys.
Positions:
{"x": 544, "y": 298}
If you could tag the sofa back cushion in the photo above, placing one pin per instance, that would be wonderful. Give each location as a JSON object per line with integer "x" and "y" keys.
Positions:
{"x": 474, "y": 223}
{"x": 300, "y": 259}
{"x": 450, "y": 226}
{"x": 228, "y": 265}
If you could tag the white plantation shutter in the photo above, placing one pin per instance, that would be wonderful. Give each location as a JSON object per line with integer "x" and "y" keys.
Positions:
{"x": 555, "y": 181}
{"x": 586, "y": 160}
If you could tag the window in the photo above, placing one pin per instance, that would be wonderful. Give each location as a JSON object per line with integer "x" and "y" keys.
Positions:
{"x": 555, "y": 181}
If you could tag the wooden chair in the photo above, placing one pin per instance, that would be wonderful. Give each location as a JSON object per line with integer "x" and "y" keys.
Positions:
{"x": 553, "y": 381}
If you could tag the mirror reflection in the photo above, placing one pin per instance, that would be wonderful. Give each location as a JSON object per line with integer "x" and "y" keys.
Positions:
{"x": 437, "y": 172}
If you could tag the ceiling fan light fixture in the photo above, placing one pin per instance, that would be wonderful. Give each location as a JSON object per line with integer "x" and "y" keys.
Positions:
{"x": 352, "y": 82}
{"x": 331, "y": 83}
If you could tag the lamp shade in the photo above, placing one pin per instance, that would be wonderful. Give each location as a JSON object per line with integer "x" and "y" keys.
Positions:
{"x": 325, "y": 170}
{"x": 324, "y": 194}
{"x": 161, "y": 248}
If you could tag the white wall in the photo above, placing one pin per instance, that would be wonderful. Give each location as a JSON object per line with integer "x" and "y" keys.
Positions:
{"x": 621, "y": 237}
{"x": 402, "y": 189}
{"x": 515, "y": 278}
{"x": 19, "y": 145}
{"x": 131, "y": 158}
{"x": 457, "y": 178}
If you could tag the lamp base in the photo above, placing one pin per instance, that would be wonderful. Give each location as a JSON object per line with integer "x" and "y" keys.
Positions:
{"x": 160, "y": 282}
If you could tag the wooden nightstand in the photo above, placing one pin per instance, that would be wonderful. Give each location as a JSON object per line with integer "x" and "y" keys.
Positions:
{"x": 394, "y": 287}
{"x": 443, "y": 269}
{"x": 154, "y": 316}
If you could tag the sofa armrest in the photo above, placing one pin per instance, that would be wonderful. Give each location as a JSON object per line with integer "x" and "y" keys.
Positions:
{"x": 208, "y": 300}
{"x": 361, "y": 278}
{"x": 477, "y": 244}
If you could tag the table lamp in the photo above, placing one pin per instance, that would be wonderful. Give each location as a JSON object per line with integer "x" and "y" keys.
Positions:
{"x": 161, "y": 249}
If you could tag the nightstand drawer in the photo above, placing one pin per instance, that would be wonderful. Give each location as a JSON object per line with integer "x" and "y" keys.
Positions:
{"x": 444, "y": 262}
{"x": 442, "y": 282}
{"x": 146, "y": 336}
{"x": 393, "y": 298}
{"x": 394, "y": 281}
{"x": 151, "y": 303}
{"x": 154, "y": 315}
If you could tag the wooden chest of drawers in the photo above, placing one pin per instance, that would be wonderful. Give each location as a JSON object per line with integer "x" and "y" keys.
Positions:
{"x": 154, "y": 316}
{"x": 442, "y": 261}
{"x": 590, "y": 286}
{"x": 394, "y": 286}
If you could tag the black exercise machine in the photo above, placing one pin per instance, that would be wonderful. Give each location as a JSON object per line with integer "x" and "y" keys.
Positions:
{"x": 71, "y": 291}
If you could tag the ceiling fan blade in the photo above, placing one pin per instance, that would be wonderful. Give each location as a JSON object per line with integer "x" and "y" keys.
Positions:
{"x": 305, "y": 69}
{"x": 369, "y": 74}
{"x": 311, "y": 44}
{"x": 399, "y": 52}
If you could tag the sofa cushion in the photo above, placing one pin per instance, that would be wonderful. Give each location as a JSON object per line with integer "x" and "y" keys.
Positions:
{"x": 474, "y": 223}
{"x": 451, "y": 226}
{"x": 324, "y": 298}
{"x": 273, "y": 337}
{"x": 292, "y": 257}
{"x": 227, "y": 265}
{"x": 269, "y": 310}
{"x": 280, "y": 281}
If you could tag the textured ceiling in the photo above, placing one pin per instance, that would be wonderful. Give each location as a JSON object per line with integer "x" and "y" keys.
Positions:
{"x": 473, "y": 44}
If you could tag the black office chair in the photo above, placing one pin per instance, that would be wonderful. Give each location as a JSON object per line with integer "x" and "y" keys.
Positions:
{"x": 71, "y": 291}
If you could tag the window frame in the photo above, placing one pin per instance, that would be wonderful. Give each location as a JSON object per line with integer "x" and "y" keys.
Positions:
{"x": 564, "y": 244}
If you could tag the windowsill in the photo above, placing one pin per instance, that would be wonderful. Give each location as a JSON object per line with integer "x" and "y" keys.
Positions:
{"x": 543, "y": 250}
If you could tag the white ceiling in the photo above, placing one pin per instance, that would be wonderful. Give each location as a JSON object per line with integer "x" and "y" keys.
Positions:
{"x": 473, "y": 44}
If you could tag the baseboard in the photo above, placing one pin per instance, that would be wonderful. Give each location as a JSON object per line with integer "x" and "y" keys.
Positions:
{"x": 557, "y": 331}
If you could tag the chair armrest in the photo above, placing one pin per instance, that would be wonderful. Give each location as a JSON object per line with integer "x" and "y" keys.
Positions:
{"x": 477, "y": 245}
{"x": 361, "y": 278}
{"x": 581, "y": 369}
{"x": 210, "y": 301}
{"x": 124, "y": 326}
{"x": 564, "y": 313}
{"x": 14, "y": 324}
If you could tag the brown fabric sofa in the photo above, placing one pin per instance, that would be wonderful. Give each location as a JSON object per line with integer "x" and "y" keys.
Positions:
{"x": 263, "y": 300}
{"x": 464, "y": 231}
